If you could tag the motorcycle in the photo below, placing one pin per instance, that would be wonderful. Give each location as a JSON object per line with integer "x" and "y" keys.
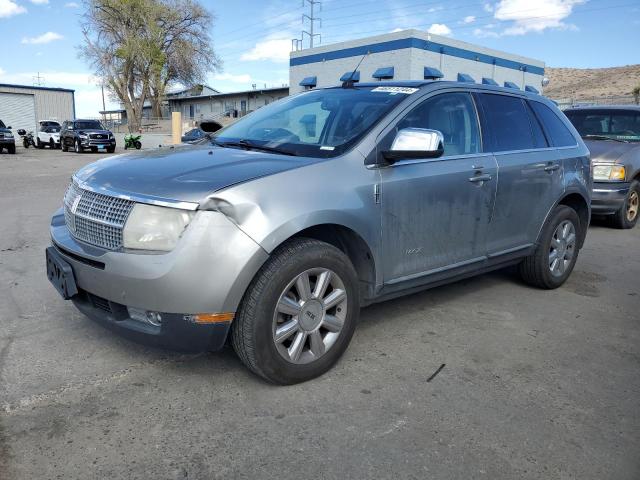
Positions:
{"x": 132, "y": 141}
{"x": 27, "y": 138}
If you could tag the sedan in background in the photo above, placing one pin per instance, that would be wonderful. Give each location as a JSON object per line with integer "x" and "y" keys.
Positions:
{"x": 193, "y": 136}
{"x": 612, "y": 134}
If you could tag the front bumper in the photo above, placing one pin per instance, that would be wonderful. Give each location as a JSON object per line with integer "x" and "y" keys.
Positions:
{"x": 608, "y": 197}
{"x": 95, "y": 143}
{"x": 208, "y": 272}
{"x": 6, "y": 142}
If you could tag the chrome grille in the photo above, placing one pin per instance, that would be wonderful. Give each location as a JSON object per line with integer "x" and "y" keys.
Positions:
{"x": 95, "y": 218}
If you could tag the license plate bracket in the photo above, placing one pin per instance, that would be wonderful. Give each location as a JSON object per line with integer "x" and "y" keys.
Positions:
{"x": 60, "y": 274}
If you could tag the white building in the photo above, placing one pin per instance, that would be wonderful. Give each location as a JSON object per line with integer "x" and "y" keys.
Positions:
{"x": 22, "y": 106}
{"x": 411, "y": 55}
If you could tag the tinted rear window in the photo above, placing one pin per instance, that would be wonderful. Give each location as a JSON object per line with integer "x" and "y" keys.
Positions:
{"x": 557, "y": 131}
{"x": 508, "y": 122}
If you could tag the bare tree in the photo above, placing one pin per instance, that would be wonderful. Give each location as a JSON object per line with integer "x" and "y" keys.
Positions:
{"x": 134, "y": 44}
{"x": 186, "y": 44}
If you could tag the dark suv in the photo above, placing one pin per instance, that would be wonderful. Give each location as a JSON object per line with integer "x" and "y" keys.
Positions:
{"x": 6, "y": 139}
{"x": 80, "y": 135}
{"x": 612, "y": 134}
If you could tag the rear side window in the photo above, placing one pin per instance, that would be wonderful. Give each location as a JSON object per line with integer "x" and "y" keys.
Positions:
{"x": 508, "y": 122}
{"x": 557, "y": 131}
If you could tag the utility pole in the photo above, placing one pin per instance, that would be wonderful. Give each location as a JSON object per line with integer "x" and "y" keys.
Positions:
{"x": 298, "y": 43}
{"x": 38, "y": 81}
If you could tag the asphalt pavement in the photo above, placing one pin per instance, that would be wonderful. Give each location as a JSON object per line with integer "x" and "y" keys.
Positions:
{"x": 535, "y": 384}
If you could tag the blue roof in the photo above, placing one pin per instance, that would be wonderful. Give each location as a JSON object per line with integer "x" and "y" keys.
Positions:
{"x": 531, "y": 89}
{"x": 511, "y": 85}
{"x": 432, "y": 73}
{"x": 309, "y": 82}
{"x": 347, "y": 76}
{"x": 465, "y": 77}
{"x": 384, "y": 72}
{"x": 489, "y": 81}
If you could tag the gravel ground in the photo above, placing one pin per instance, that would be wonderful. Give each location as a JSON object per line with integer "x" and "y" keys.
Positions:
{"x": 536, "y": 384}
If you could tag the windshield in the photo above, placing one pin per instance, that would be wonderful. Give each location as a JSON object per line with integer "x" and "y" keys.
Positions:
{"x": 89, "y": 125}
{"x": 319, "y": 123}
{"x": 615, "y": 124}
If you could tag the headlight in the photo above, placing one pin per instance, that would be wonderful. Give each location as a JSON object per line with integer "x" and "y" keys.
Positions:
{"x": 8, "y": 135}
{"x": 83, "y": 137}
{"x": 155, "y": 228}
{"x": 608, "y": 172}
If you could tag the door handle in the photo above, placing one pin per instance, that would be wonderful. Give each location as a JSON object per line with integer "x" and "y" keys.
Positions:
{"x": 480, "y": 178}
{"x": 552, "y": 167}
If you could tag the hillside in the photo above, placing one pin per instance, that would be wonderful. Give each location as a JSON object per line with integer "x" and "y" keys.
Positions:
{"x": 588, "y": 83}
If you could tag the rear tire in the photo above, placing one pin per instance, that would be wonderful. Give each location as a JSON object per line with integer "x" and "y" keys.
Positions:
{"x": 627, "y": 216}
{"x": 557, "y": 252}
{"x": 311, "y": 320}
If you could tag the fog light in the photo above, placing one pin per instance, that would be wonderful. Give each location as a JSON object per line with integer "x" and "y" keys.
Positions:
{"x": 145, "y": 316}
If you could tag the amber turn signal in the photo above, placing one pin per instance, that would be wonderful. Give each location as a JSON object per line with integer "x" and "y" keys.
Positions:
{"x": 210, "y": 317}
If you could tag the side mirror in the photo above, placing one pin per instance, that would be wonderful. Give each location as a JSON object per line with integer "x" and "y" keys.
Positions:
{"x": 210, "y": 126}
{"x": 414, "y": 143}
{"x": 9, "y": 127}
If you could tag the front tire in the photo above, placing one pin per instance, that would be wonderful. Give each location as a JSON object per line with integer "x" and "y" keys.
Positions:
{"x": 557, "y": 252}
{"x": 11, "y": 149}
{"x": 138, "y": 145}
{"x": 76, "y": 146}
{"x": 299, "y": 313}
{"x": 627, "y": 216}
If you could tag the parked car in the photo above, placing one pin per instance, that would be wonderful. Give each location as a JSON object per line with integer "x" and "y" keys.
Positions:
{"x": 48, "y": 134}
{"x": 278, "y": 230}
{"x": 81, "y": 135}
{"x": 193, "y": 135}
{"x": 612, "y": 134}
{"x": 6, "y": 139}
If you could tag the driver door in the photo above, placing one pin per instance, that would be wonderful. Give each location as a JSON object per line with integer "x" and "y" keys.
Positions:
{"x": 436, "y": 211}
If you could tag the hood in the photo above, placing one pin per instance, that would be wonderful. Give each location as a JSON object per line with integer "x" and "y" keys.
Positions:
{"x": 93, "y": 130}
{"x": 608, "y": 150}
{"x": 186, "y": 173}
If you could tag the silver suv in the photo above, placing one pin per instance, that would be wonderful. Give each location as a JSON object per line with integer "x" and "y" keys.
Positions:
{"x": 273, "y": 234}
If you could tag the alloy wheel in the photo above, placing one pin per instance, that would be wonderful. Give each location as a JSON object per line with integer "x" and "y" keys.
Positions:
{"x": 633, "y": 204}
{"x": 309, "y": 315}
{"x": 562, "y": 248}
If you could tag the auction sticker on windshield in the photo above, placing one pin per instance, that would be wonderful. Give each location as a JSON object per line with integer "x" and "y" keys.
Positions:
{"x": 394, "y": 90}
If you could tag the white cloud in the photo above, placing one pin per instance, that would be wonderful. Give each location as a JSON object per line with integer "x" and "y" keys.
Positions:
{"x": 44, "y": 38}
{"x": 484, "y": 33}
{"x": 534, "y": 16}
{"x": 469, "y": 19}
{"x": 487, "y": 7}
{"x": 1, "y": 72}
{"x": 39, "y": 2}
{"x": 71, "y": 5}
{"x": 439, "y": 29}
{"x": 229, "y": 77}
{"x": 275, "y": 50}
{"x": 8, "y": 8}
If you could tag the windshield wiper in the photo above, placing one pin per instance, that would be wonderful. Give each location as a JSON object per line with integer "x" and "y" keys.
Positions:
{"x": 252, "y": 146}
{"x": 602, "y": 137}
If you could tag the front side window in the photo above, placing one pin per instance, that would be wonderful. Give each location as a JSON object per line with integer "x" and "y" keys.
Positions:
{"x": 508, "y": 122}
{"x": 616, "y": 124}
{"x": 318, "y": 123}
{"x": 453, "y": 115}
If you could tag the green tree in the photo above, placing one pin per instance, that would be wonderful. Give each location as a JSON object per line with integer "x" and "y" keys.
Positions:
{"x": 134, "y": 44}
{"x": 636, "y": 94}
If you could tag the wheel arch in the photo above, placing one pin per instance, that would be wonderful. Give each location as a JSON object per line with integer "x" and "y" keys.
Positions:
{"x": 580, "y": 204}
{"x": 353, "y": 245}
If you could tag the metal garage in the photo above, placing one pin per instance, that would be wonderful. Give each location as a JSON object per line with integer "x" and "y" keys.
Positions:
{"x": 22, "y": 106}
{"x": 18, "y": 110}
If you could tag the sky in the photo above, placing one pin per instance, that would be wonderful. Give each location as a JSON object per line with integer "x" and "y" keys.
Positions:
{"x": 253, "y": 38}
